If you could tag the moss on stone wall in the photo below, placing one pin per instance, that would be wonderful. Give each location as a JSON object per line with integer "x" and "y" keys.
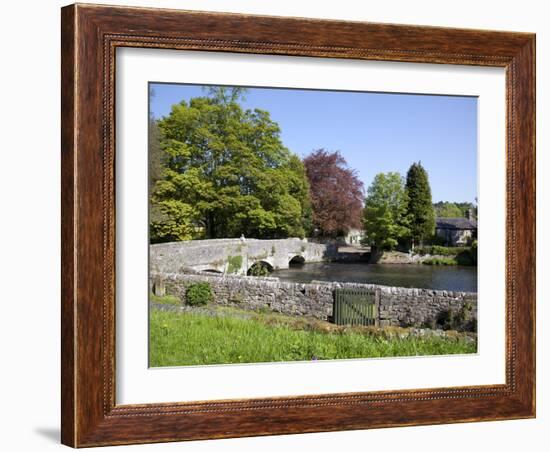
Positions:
{"x": 234, "y": 264}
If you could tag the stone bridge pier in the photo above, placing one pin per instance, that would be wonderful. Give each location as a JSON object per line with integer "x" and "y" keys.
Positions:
{"x": 235, "y": 256}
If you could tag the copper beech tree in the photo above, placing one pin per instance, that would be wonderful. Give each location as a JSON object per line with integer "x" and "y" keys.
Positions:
{"x": 336, "y": 193}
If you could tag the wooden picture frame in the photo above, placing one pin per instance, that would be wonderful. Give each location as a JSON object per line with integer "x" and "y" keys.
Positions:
{"x": 90, "y": 36}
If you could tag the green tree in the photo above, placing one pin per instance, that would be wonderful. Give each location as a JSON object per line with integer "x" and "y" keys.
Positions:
{"x": 156, "y": 155}
{"x": 168, "y": 218}
{"x": 228, "y": 173}
{"x": 419, "y": 207}
{"x": 468, "y": 206}
{"x": 445, "y": 209}
{"x": 385, "y": 213}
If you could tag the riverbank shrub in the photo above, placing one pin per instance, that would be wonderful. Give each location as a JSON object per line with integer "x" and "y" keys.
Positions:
{"x": 458, "y": 319}
{"x": 439, "y": 250}
{"x": 468, "y": 256}
{"x": 473, "y": 252}
{"x": 452, "y": 255}
{"x": 440, "y": 261}
{"x": 465, "y": 258}
{"x": 199, "y": 294}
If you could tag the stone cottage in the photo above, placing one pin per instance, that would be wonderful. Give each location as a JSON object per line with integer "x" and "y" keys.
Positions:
{"x": 457, "y": 231}
{"x": 354, "y": 237}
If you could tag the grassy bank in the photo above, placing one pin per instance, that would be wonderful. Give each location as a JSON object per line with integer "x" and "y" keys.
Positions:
{"x": 187, "y": 338}
{"x": 448, "y": 255}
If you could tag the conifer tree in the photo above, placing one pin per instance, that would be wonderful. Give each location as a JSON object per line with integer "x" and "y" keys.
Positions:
{"x": 420, "y": 209}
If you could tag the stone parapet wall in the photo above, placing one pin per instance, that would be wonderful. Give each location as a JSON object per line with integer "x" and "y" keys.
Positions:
{"x": 398, "y": 306}
{"x": 234, "y": 256}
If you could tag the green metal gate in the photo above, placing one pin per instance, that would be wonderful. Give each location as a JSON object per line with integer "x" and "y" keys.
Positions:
{"x": 356, "y": 306}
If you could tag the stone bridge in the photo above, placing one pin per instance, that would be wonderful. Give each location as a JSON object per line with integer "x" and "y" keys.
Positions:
{"x": 235, "y": 256}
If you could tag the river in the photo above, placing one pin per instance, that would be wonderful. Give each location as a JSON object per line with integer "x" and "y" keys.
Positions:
{"x": 454, "y": 278}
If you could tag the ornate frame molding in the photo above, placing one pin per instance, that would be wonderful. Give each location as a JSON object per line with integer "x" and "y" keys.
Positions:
{"x": 90, "y": 36}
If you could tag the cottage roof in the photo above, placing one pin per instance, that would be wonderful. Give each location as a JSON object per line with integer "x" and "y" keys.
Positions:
{"x": 455, "y": 223}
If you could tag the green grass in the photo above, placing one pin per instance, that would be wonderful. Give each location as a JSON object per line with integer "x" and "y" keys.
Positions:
{"x": 166, "y": 299}
{"x": 178, "y": 339}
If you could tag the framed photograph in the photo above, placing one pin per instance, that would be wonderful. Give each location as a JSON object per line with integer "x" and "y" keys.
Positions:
{"x": 281, "y": 225}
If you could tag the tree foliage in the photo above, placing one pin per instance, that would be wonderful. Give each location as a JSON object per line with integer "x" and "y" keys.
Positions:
{"x": 157, "y": 158}
{"x": 169, "y": 219}
{"x": 419, "y": 205}
{"x": 227, "y": 173}
{"x": 385, "y": 218}
{"x": 445, "y": 209}
{"x": 336, "y": 193}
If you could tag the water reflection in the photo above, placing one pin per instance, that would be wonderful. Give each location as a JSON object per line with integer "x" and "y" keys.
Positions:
{"x": 401, "y": 275}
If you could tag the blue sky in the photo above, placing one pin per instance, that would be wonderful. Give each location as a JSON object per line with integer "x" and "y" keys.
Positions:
{"x": 375, "y": 132}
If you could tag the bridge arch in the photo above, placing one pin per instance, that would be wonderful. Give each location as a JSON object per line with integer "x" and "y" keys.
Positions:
{"x": 297, "y": 260}
{"x": 216, "y": 254}
{"x": 260, "y": 268}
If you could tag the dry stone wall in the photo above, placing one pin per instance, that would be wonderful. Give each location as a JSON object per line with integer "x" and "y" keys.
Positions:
{"x": 398, "y": 306}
